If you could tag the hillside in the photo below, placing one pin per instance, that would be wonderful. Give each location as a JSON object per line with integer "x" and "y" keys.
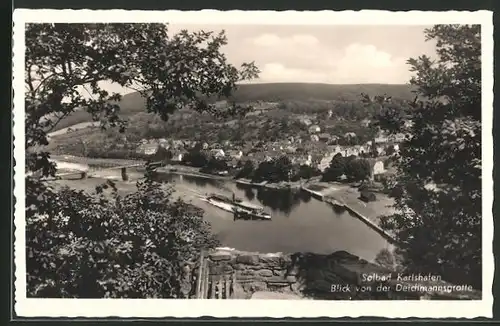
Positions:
{"x": 309, "y": 91}
{"x": 133, "y": 103}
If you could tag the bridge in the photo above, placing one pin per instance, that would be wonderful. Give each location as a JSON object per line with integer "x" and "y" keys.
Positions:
{"x": 123, "y": 168}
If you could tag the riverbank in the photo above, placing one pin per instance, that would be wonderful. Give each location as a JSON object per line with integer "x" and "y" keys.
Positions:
{"x": 275, "y": 185}
{"x": 335, "y": 194}
{"x": 298, "y": 222}
{"x": 190, "y": 171}
{"x": 92, "y": 164}
{"x": 346, "y": 197}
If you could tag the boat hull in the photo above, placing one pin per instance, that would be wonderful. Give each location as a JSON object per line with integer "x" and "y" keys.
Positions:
{"x": 239, "y": 213}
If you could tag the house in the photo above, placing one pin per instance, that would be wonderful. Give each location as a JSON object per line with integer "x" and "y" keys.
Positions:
{"x": 306, "y": 121}
{"x": 349, "y": 151}
{"x": 177, "y": 143}
{"x": 314, "y": 129}
{"x": 380, "y": 150}
{"x": 217, "y": 153}
{"x": 147, "y": 149}
{"x": 408, "y": 124}
{"x": 365, "y": 122}
{"x": 325, "y": 161}
{"x": 381, "y": 140}
{"x": 303, "y": 160}
{"x": 235, "y": 154}
{"x": 163, "y": 143}
{"x": 349, "y": 135}
{"x": 204, "y": 146}
{"x": 233, "y": 163}
{"x": 330, "y": 114}
{"x": 314, "y": 138}
{"x": 324, "y": 137}
{"x": 377, "y": 168}
{"x": 177, "y": 156}
{"x": 361, "y": 149}
{"x": 333, "y": 139}
{"x": 337, "y": 149}
{"x": 399, "y": 137}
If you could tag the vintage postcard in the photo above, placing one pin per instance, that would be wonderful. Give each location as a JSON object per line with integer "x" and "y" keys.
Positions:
{"x": 294, "y": 164}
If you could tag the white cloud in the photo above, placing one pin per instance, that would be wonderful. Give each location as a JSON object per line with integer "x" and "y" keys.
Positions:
{"x": 303, "y": 58}
{"x": 366, "y": 64}
{"x": 297, "y": 40}
{"x": 266, "y": 40}
{"x": 277, "y": 72}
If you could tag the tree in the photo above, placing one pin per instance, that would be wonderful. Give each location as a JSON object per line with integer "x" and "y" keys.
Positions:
{"x": 336, "y": 169}
{"x": 276, "y": 170}
{"x": 125, "y": 247}
{"x": 195, "y": 158}
{"x": 162, "y": 154}
{"x": 65, "y": 67}
{"x": 307, "y": 172}
{"x": 215, "y": 165}
{"x": 389, "y": 150}
{"x": 246, "y": 171}
{"x": 283, "y": 168}
{"x": 357, "y": 169}
{"x": 440, "y": 227}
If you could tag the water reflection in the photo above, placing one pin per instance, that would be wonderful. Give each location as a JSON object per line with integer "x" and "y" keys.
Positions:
{"x": 203, "y": 182}
{"x": 338, "y": 210}
{"x": 249, "y": 194}
{"x": 279, "y": 200}
{"x": 298, "y": 223}
{"x": 197, "y": 181}
{"x": 305, "y": 196}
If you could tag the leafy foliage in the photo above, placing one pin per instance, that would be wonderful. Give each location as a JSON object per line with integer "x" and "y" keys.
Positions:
{"x": 246, "y": 171}
{"x": 357, "y": 169}
{"x": 125, "y": 247}
{"x": 276, "y": 170}
{"x": 196, "y": 158}
{"x": 81, "y": 245}
{"x": 353, "y": 168}
{"x": 215, "y": 165}
{"x": 336, "y": 169}
{"x": 440, "y": 226}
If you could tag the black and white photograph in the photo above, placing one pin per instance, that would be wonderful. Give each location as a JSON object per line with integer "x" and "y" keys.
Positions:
{"x": 288, "y": 163}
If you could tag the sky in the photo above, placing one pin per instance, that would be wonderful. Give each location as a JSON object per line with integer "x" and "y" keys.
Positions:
{"x": 332, "y": 54}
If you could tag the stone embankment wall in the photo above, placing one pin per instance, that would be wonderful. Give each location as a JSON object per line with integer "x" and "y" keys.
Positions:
{"x": 340, "y": 275}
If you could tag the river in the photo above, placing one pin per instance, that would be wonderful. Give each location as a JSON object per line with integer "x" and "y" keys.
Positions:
{"x": 299, "y": 222}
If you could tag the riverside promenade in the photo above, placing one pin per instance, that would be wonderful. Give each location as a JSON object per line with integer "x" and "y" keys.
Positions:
{"x": 346, "y": 197}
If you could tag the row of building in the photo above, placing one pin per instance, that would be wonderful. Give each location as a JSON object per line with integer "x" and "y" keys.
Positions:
{"x": 319, "y": 157}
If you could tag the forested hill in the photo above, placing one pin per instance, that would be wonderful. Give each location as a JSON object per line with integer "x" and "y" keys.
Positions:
{"x": 133, "y": 103}
{"x": 305, "y": 91}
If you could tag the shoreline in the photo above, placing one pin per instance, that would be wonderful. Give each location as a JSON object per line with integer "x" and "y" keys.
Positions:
{"x": 330, "y": 199}
{"x": 99, "y": 164}
{"x": 302, "y": 185}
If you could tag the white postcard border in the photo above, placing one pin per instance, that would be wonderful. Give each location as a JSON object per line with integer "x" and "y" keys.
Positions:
{"x": 140, "y": 308}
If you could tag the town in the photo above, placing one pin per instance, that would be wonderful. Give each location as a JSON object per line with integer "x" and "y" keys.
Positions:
{"x": 310, "y": 144}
